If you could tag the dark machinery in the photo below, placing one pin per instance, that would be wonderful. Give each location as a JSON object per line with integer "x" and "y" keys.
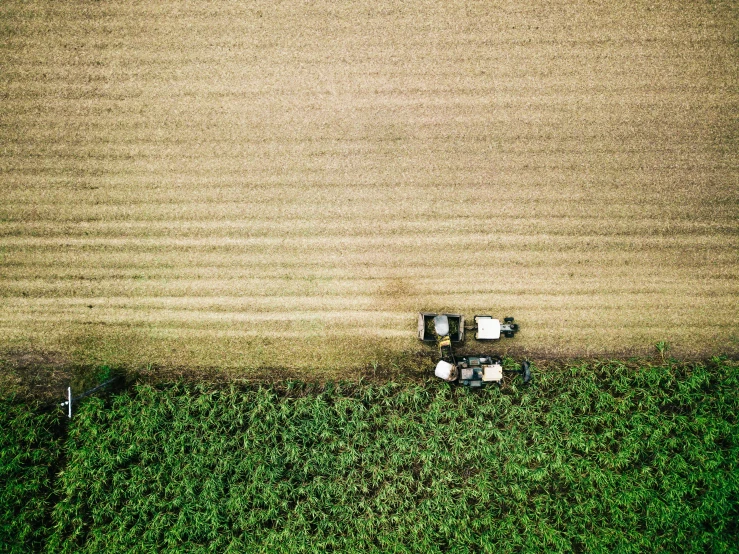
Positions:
{"x": 470, "y": 371}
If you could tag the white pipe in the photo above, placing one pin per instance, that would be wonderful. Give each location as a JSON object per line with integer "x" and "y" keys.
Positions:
{"x": 69, "y": 396}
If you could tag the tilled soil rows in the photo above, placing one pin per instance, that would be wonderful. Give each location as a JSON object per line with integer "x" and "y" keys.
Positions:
{"x": 287, "y": 184}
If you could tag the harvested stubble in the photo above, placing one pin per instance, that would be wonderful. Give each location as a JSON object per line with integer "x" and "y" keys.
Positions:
{"x": 208, "y": 177}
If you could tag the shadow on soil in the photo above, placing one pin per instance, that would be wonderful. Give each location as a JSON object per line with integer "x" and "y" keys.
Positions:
{"x": 44, "y": 376}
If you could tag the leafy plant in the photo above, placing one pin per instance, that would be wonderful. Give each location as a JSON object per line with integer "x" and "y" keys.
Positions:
{"x": 30, "y": 452}
{"x": 662, "y": 347}
{"x": 610, "y": 457}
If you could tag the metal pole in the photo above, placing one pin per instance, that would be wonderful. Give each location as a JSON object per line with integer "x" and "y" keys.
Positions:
{"x": 69, "y": 396}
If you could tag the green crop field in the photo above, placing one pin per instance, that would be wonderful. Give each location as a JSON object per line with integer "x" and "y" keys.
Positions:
{"x": 599, "y": 457}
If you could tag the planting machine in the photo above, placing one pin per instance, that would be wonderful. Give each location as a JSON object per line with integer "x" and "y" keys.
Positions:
{"x": 470, "y": 371}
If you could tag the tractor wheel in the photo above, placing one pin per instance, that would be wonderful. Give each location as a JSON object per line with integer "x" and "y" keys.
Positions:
{"x": 526, "y": 372}
{"x": 507, "y": 320}
{"x": 508, "y": 334}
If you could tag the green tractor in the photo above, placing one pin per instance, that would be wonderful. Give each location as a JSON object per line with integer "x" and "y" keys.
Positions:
{"x": 470, "y": 371}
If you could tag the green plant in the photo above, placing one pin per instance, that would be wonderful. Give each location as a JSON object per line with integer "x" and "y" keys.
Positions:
{"x": 611, "y": 458}
{"x": 662, "y": 347}
{"x": 30, "y": 452}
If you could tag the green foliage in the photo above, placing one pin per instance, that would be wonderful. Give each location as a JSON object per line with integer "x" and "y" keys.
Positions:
{"x": 598, "y": 457}
{"x": 662, "y": 347}
{"x": 30, "y": 450}
{"x": 85, "y": 378}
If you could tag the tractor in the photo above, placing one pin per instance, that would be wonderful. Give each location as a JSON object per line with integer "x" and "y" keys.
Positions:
{"x": 471, "y": 371}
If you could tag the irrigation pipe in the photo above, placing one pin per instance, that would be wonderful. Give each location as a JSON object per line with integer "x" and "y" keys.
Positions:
{"x": 70, "y": 400}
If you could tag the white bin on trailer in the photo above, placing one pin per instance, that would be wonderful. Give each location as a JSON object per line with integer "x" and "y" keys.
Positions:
{"x": 445, "y": 370}
{"x": 487, "y": 328}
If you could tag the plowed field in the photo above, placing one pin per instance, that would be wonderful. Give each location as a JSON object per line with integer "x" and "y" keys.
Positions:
{"x": 285, "y": 184}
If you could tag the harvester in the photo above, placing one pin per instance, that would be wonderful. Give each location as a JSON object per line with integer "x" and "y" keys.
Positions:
{"x": 472, "y": 371}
